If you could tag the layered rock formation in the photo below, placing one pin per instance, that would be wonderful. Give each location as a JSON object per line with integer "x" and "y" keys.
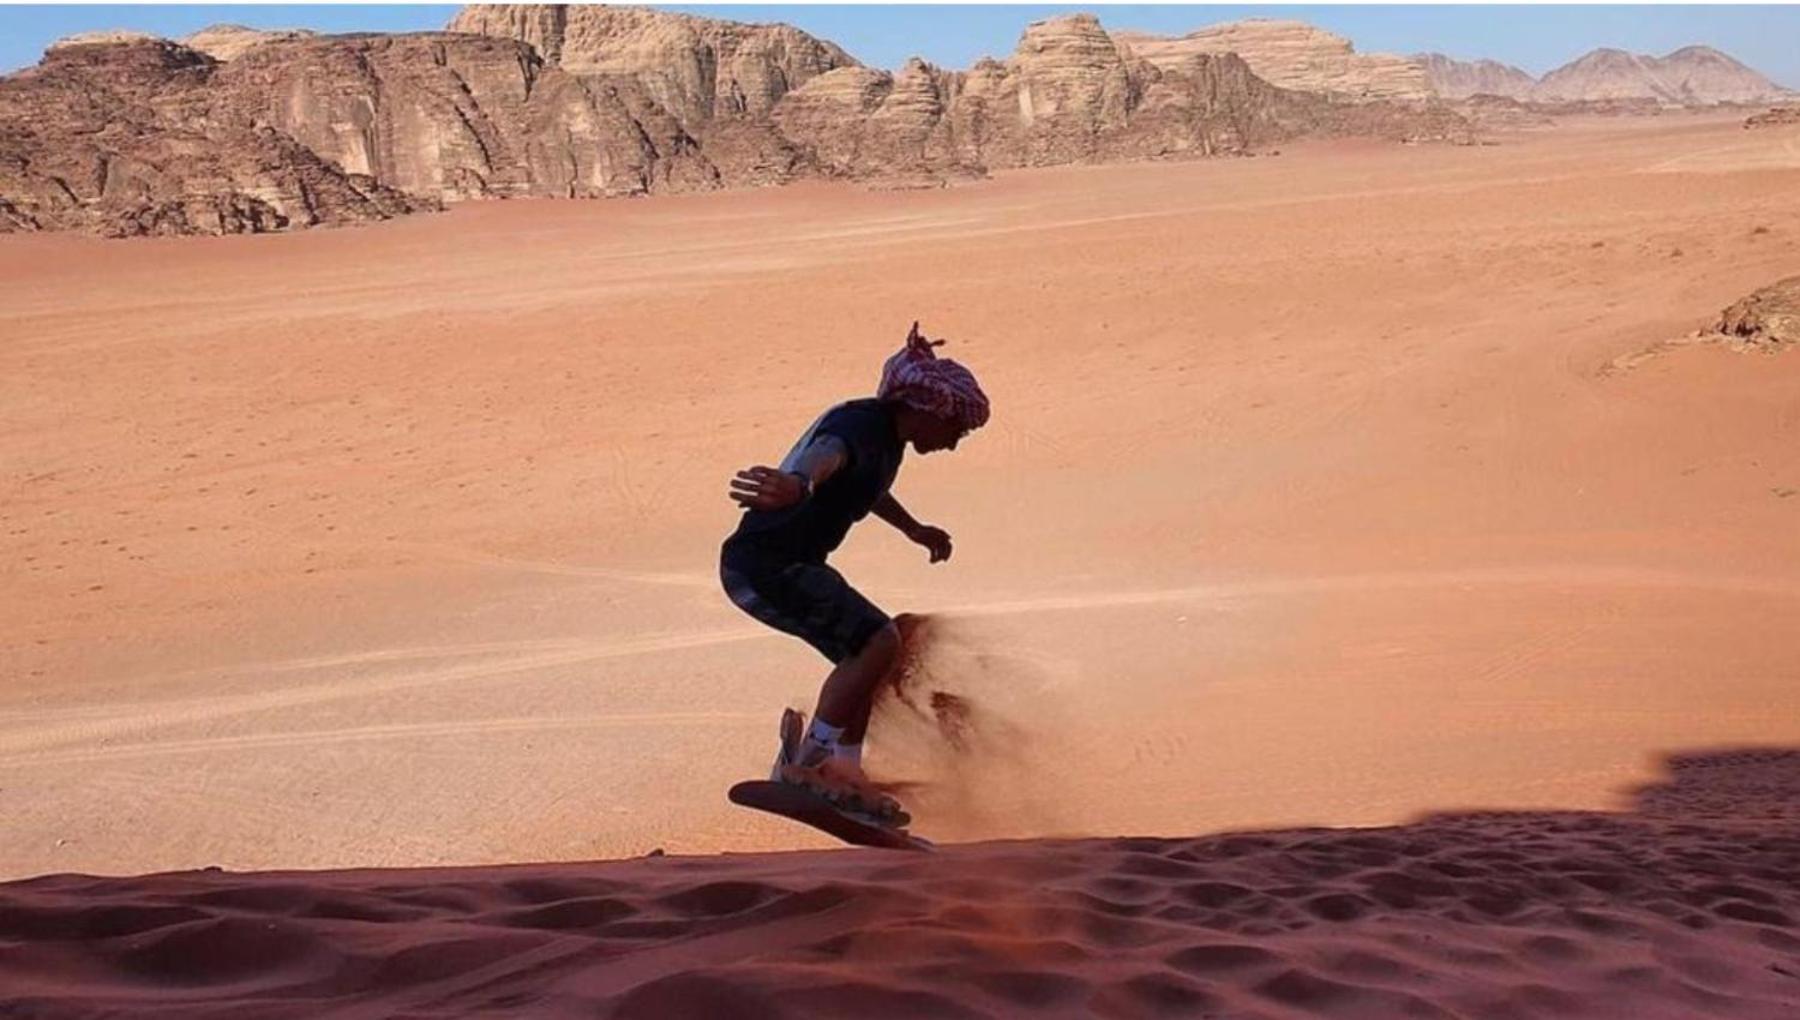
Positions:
{"x": 452, "y": 117}
{"x": 1691, "y": 76}
{"x": 695, "y": 68}
{"x": 1070, "y": 91}
{"x": 1073, "y": 93}
{"x": 858, "y": 122}
{"x": 147, "y": 136}
{"x": 703, "y": 91}
{"x": 1460, "y": 79}
{"x": 1293, "y": 55}
{"x": 122, "y": 138}
{"x": 285, "y": 129}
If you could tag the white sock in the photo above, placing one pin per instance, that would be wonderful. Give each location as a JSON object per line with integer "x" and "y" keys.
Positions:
{"x": 851, "y": 753}
{"x": 822, "y": 736}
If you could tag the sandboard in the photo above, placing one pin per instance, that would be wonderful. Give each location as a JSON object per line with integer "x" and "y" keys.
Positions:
{"x": 809, "y": 808}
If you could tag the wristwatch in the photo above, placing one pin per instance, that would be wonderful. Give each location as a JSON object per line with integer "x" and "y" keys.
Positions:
{"x": 805, "y": 486}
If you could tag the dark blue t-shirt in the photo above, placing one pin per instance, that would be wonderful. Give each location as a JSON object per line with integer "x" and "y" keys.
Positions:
{"x": 811, "y": 529}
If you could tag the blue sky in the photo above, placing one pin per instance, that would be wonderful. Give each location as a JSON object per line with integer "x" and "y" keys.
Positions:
{"x": 1536, "y": 38}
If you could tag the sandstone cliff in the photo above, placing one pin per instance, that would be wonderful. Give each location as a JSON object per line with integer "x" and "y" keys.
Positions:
{"x": 704, "y": 90}
{"x": 696, "y": 68}
{"x": 1293, "y": 55}
{"x": 453, "y": 117}
{"x": 286, "y": 129}
{"x": 1070, "y": 92}
{"x": 120, "y": 138}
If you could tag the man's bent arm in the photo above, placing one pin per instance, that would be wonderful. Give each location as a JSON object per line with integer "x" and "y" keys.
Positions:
{"x": 822, "y": 459}
{"x": 889, "y": 509}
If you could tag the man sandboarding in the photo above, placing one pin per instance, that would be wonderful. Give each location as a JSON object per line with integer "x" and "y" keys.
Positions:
{"x": 773, "y": 566}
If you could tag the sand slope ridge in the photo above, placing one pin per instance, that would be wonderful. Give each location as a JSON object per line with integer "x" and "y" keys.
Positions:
{"x": 1308, "y": 500}
{"x": 1686, "y": 906}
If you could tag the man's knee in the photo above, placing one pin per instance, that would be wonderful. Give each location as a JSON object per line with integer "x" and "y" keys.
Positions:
{"x": 883, "y": 644}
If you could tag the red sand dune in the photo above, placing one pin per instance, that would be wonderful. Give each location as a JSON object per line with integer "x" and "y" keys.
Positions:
{"x": 1311, "y": 498}
{"x": 1315, "y": 495}
{"x": 1685, "y": 907}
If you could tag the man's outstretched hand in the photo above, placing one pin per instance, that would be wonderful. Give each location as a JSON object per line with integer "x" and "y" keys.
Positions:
{"x": 935, "y": 539}
{"x": 765, "y": 488}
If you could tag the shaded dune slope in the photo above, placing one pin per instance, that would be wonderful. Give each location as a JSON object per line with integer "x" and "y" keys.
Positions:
{"x": 1684, "y": 906}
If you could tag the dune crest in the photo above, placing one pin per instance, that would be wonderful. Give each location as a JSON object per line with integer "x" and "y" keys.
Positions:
{"x": 1684, "y": 907}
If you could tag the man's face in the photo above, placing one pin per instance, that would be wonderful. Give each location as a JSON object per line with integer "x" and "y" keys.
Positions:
{"x": 938, "y": 434}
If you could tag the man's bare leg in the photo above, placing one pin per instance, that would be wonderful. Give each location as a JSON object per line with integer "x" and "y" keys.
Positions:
{"x": 849, "y": 692}
{"x": 841, "y": 720}
{"x": 845, "y": 701}
{"x": 906, "y": 627}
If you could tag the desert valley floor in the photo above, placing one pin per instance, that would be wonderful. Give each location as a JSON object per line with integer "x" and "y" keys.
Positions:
{"x": 1323, "y": 488}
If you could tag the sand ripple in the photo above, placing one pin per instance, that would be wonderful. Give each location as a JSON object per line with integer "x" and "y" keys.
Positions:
{"x": 1686, "y": 907}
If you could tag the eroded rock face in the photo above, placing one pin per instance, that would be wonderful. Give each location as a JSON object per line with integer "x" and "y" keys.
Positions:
{"x": 1293, "y": 55}
{"x": 145, "y": 135}
{"x": 704, "y": 91}
{"x": 1769, "y": 317}
{"x": 122, "y": 139}
{"x": 864, "y": 124}
{"x": 1071, "y": 93}
{"x": 1691, "y": 76}
{"x": 695, "y": 68}
{"x": 1460, "y": 79}
{"x": 1070, "y": 74}
{"x": 449, "y": 117}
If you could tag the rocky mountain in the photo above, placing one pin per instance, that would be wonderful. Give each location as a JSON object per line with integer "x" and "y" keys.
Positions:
{"x": 1690, "y": 76}
{"x": 1606, "y": 78}
{"x": 702, "y": 91}
{"x": 1293, "y": 55}
{"x": 1459, "y": 79}
{"x": 695, "y": 68}
{"x": 123, "y": 138}
{"x": 253, "y": 131}
{"x": 451, "y": 117}
{"x": 1070, "y": 91}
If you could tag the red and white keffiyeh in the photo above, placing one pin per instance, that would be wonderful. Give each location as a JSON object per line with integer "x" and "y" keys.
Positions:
{"x": 920, "y": 379}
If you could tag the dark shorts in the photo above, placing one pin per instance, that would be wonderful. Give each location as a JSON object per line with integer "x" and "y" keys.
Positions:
{"x": 808, "y": 600}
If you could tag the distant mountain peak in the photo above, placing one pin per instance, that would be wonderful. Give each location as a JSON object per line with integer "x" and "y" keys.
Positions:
{"x": 1693, "y": 75}
{"x": 1459, "y": 79}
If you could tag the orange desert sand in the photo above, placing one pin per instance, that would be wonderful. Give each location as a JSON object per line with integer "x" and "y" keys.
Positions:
{"x": 1323, "y": 492}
